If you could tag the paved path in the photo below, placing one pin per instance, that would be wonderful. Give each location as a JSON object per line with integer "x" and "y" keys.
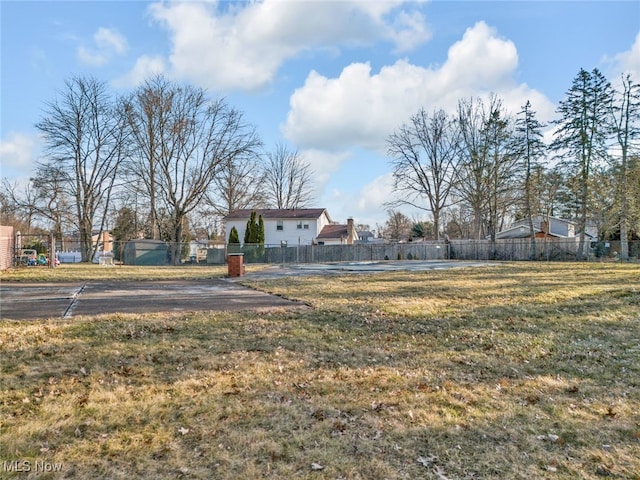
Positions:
{"x": 23, "y": 301}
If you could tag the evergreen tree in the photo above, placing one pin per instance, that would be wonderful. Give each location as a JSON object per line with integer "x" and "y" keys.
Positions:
{"x": 248, "y": 231}
{"x": 581, "y": 136}
{"x": 254, "y": 233}
{"x": 529, "y": 149}
{"x": 260, "y": 230}
{"x": 233, "y": 236}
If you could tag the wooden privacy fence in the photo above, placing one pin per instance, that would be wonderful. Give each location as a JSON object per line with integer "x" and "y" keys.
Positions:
{"x": 342, "y": 253}
{"x": 6, "y": 247}
{"x": 550, "y": 249}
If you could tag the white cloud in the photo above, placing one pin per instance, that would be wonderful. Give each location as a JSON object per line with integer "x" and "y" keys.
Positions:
{"x": 18, "y": 153}
{"x": 626, "y": 62}
{"x": 371, "y": 198}
{"x": 107, "y": 43}
{"x": 92, "y": 58}
{"x": 108, "y": 39}
{"x": 409, "y": 32}
{"x": 365, "y": 206}
{"x": 323, "y": 164}
{"x": 145, "y": 68}
{"x": 243, "y": 46}
{"x": 362, "y": 108}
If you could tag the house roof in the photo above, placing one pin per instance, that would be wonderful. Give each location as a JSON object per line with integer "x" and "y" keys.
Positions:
{"x": 538, "y": 219}
{"x": 278, "y": 213}
{"x": 523, "y": 232}
{"x": 333, "y": 231}
{"x": 518, "y": 232}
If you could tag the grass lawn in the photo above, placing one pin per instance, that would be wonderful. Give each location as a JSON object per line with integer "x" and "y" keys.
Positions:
{"x": 518, "y": 371}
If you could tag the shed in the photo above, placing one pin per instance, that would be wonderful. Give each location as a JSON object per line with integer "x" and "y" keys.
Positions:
{"x": 146, "y": 252}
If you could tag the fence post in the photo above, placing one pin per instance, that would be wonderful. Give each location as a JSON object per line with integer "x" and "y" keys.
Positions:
{"x": 52, "y": 251}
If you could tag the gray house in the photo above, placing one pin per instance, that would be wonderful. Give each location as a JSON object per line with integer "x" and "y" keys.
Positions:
{"x": 543, "y": 226}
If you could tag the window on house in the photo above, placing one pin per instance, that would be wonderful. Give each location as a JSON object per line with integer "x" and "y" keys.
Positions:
{"x": 299, "y": 224}
{"x": 306, "y": 226}
{"x": 280, "y": 225}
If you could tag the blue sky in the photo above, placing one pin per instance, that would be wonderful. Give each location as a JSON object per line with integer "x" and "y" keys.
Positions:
{"x": 330, "y": 78}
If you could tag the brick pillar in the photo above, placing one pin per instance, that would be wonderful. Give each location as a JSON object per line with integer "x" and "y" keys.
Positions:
{"x": 235, "y": 264}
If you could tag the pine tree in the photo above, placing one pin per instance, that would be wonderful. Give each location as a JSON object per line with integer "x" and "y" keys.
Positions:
{"x": 530, "y": 148}
{"x": 247, "y": 232}
{"x": 233, "y": 236}
{"x": 260, "y": 230}
{"x": 254, "y": 233}
{"x": 581, "y": 137}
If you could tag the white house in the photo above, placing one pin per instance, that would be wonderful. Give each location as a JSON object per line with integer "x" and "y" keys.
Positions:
{"x": 299, "y": 226}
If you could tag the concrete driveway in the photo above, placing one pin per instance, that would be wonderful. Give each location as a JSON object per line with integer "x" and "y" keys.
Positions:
{"x": 342, "y": 268}
{"x": 23, "y": 301}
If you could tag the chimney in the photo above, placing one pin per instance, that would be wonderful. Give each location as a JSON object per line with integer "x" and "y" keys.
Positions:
{"x": 351, "y": 233}
{"x": 544, "y": 226}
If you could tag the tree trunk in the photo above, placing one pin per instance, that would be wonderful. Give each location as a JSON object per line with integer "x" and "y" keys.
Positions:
{"x": 624, "y": 228}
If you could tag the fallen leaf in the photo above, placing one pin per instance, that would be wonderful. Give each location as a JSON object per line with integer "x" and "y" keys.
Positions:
{"x": 316, "y": 466}
{"x": 183, "y": 430}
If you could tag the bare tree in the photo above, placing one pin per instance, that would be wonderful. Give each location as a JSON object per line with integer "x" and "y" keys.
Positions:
{"x": 473, "y": 179}
{"x": 487, "y": 169}
{"x": 84, "y": 143}
{"x": 581, "y": 136}
{"x": 148, "y": 114}
{"x": 425, "y": 155}
{"x": 288, "y": 179}
{"x": 503, "y": 172}
{"x": 397, "y": 227}
{"x": 43, "y": 198}
{"x": 239, "y": 185}
{"x": 190, "y": 143}
{"x": 625, "y": 114}
{"x": 17, "y": 203}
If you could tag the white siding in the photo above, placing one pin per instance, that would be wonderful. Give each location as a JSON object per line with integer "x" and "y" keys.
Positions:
{"x": 289, "y": 233}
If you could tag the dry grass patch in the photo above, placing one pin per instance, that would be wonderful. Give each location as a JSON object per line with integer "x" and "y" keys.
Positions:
{"x": 68, "y": 272}
{"x": 518, "y": 371}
